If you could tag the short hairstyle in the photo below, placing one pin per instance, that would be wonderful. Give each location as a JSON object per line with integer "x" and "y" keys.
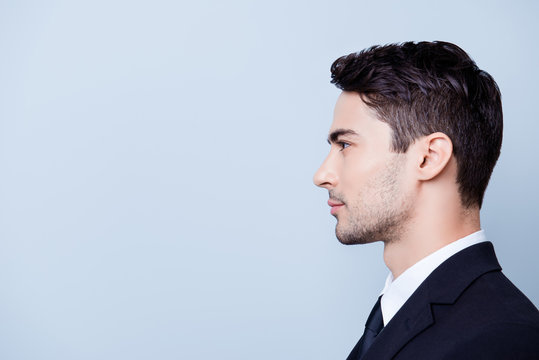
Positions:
{"x": 426, "y": 87}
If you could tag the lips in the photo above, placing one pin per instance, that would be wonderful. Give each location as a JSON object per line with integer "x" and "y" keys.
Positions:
{"x": 335, "y": 206}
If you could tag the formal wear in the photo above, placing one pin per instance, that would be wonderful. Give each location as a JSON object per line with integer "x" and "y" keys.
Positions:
{"x": 397, "y": 291}
{"x": 464, "y": 309}
{"x": 373, "y": 326}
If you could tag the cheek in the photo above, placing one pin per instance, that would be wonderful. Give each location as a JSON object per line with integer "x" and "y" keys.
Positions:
{"x": 359, "y": 171}
{"x": 352, "y": 180}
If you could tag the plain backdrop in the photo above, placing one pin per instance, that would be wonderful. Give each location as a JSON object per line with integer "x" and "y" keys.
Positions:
{"x": 156, "y": 163}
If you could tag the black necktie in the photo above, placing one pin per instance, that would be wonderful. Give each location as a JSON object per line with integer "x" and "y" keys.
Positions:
{"x": 374, "y": 325}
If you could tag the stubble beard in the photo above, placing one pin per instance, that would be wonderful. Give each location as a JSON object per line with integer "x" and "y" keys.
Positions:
{"x": 380, "y": 213}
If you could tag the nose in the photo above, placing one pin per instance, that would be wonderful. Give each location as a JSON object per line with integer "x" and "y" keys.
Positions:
{"x": 326, "y": 176}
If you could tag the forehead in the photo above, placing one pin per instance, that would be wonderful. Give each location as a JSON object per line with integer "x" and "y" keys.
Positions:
{"x": 352, "y": 113}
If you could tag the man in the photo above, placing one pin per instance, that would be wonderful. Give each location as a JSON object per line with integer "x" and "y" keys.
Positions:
{"x": 416, "y": 133}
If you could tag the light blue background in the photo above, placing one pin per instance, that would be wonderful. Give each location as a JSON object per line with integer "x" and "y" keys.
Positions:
{"x": 156, "y": 159}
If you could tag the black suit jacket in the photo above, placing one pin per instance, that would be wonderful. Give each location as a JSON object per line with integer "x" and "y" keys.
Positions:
{"x": 465, "y": 309}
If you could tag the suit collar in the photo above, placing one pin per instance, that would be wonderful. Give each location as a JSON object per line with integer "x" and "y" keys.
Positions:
{"x": 397, "y": 291}
{"x": 443, "y": 286}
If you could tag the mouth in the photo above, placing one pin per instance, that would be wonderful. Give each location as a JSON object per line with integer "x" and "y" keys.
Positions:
{"x": 335, "y": 206}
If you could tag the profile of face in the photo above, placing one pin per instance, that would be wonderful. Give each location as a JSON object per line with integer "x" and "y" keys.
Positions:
{"x": 369, "y": 188}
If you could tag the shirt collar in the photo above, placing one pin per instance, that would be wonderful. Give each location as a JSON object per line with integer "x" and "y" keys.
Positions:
{"x": 397, "y": 291}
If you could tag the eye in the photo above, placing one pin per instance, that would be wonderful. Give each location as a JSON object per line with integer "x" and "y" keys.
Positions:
{"x": 343, "y": 145}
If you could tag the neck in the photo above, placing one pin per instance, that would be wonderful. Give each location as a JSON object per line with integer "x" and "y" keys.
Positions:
{"x": 427, "y": 232}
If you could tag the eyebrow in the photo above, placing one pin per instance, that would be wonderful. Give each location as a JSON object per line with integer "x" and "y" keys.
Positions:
{"x": 334, "y": 136}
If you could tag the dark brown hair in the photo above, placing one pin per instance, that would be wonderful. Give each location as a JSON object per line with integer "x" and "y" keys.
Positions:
{"x": 426, "y": 87}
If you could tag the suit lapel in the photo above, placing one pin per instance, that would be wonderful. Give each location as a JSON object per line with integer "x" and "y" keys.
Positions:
{"x": 443, "y": 286}
{"x": 354, "y": 353}
{"x": 410, "y": 320}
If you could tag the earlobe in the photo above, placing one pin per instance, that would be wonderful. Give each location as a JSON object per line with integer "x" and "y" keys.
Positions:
{"x": 435, "y": 150}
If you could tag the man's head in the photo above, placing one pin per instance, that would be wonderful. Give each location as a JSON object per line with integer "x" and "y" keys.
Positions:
{"x": 411, "y": 91}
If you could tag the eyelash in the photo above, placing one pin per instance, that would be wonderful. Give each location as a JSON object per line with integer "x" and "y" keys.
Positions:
{"x": 343, "y": 145}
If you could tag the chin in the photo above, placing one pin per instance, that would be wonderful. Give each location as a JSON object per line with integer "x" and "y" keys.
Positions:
{"x": 360, "y": 236}
{"x": 350, "y": 238}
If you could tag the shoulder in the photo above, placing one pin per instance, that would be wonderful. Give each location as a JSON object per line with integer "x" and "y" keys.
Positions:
{"x": 495, "y": 320}
{"x": 496, "y": 297}
{"x": 497, "y": 341}
{"x": 490, "y": 300}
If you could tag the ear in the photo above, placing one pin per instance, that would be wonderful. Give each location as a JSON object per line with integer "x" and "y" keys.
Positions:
{"x": 434, "y": 153}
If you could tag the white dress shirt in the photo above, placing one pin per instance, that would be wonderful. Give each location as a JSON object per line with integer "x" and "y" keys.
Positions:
{"x": 397, "y": 291}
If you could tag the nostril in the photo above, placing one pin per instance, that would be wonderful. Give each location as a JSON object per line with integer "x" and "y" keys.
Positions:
{"x": 325, "y": 176}
{"x": 319, "y": 178}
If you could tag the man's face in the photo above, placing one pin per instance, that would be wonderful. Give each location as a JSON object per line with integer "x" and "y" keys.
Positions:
{"x": 365, "y": 179}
